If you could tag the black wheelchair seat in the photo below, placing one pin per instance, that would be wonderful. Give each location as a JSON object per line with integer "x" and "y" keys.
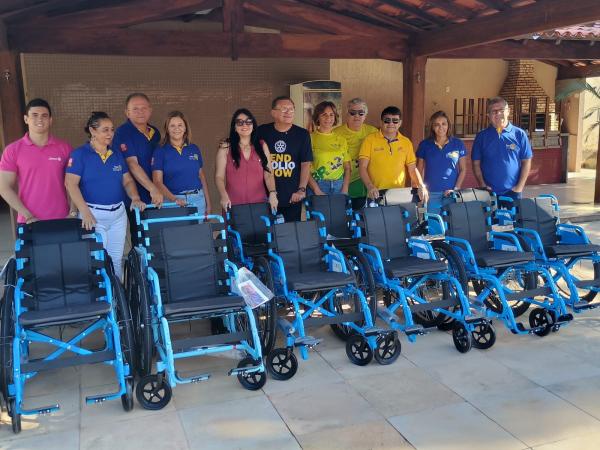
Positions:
{"x": 203, "y": 305}
{"x": 309, "y": 281}
{"x": 69, "y": 314}
{"x": 412, "y": 266}
{"x": 502, "y": 258}
{"x": 570, "y": 250}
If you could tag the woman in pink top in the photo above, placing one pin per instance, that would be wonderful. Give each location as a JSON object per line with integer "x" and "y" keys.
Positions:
{"x": 243, "y": 172}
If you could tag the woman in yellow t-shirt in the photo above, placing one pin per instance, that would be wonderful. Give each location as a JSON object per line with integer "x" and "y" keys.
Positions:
{"x": 330, "y": 173}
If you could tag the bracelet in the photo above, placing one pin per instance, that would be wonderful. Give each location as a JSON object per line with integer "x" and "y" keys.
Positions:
{"x": 72, "y": 213}
{"x": 302, "y": 189}
{"x": 273, "y": 192}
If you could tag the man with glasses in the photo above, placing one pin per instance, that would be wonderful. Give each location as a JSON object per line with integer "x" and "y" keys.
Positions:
{"x": 501, "y": 153}
{"x": 291, "y": 157}
{"x": 386, "y": 156}
{"x": 355, "y": 130}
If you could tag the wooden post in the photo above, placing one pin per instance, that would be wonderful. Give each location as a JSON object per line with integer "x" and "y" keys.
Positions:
{"x": 413, "y": 102}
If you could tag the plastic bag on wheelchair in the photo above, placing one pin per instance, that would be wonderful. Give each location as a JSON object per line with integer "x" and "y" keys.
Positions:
{"x": 251, "y": 289}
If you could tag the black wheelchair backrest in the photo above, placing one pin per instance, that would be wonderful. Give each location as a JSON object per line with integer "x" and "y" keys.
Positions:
{"x": 333, "y": 207}
{"x": 476, "y": 195}
{"x": 246, "y": 220}
{"x": 55, "y": 231}
{"x": 193, "y": 262}
{"x": 299, "y": 245}
{"x": 153, "y": 231}
{"x": 469, "y": 221}
{"x": 538, "y": 214}
{"x": 385, "y": 228}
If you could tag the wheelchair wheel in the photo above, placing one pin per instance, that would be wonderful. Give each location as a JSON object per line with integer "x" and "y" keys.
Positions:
{"x": 517, "y": 281}
{"x": 484, "y": 336}
{"x": 456, "y": 268}
{"x": 139, "y": 301}
{"x": 127, "y": 397}
{"x": 251, "y": 381}
{"x": 282, "y": 363}
{"x": 358, "y": 350}
{"x": 539, "y": 317}
{"x": 364, "y": 278}
{"x": 388, "y": 348}
{"x": 153, "y": 392}
{"x": 582, "y": 271}
{"x": 7, "y": 326}
{"x": 266, "y": 314}
{"x": 461, "y": 337}
{"x": 124, "y": 323}
{"x": 349, "y": 304}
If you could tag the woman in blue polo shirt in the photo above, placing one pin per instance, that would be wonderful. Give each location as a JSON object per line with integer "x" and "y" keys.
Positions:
{"x": 97, "y": 180}
{"x": 177, "y": 166}
{"x": 441, "y": 158}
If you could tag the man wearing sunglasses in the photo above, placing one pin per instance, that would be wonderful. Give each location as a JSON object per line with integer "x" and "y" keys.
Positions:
{"x": 355, "y": 130}
{"x": 386, "y": 156}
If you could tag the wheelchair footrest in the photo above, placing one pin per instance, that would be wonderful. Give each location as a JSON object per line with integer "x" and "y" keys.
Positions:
{"x": 415, "y": 329}
{"x": 101, "y": 398}
{"x": 193, "y": 378}
{"x": 307, "y": 341}
{"x": 420, "y": 307}
{"x": 59, "y": 363}
{"x": 587, "y": 283}
{"x": 579, "y": 306}
{"x": 41, "y": 411}
{"x": 565, "y": 318}
{"x": 529, "y": 294}
{"x": 243, "y": 370}
{"x": 340, "y": 318}
{"x": 376, "y": 331}
{"x": 475, "y": 318}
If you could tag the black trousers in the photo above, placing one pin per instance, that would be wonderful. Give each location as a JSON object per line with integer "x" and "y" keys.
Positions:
{"x": 292, "y": 212}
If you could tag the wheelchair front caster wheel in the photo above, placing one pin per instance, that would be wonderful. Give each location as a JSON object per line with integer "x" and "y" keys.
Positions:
{"x": 461, "y": 337}
{"x": 358, "y": 350}
{"x": 152, "y": 393}
{"x": 484, "y": 336}
{"x": 127, "y": 397}
{"x": 282, "y": 364}
{"x": 388, "y": 349}
{"x": 539, "y": 317}
{"x": 252, "y": 381}
{"x": 15, "y": 418}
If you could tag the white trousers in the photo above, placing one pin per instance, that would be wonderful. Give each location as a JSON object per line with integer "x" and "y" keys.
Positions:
{"x": 112, "y": 226}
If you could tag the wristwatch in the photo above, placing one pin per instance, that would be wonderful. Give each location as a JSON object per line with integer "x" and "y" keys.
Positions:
{"x": 302, "y": 189}
{"x": 73, "y": 214}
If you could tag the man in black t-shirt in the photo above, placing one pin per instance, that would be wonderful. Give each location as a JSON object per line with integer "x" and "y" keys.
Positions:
{"x": 291, "y": 156}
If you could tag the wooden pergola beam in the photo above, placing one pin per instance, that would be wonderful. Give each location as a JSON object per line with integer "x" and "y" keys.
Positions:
{"x": 452, "y": 8}
{"x": 591, "y": 70}
{"x": 539, "y": 16}
{"x": 125, "y": 14}
{"x": 533, "y": 50}
{"x": 413, "y": 11}
{"x": 116, "y": 41}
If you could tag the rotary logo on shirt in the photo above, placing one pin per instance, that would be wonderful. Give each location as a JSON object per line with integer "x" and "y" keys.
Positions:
{"x": 193, "y": 157}
{"x": 117, "y": 168}
{"x": 453, "y": 155}
{"x": 123, "y": 147}
{"x": 280, "y": 146}
{"x": 55, "y": 158}
{"x": 70, "y": 163}
{"x": 512, "y": 146}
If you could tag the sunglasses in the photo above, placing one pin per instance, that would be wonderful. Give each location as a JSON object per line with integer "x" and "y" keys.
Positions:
{"x": 353, "y": 113}
{"x": 241, "y": 123}
{"x": 388, "y": 120}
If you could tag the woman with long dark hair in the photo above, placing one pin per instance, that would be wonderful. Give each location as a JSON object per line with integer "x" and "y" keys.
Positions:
{"x": 441, "y": 160}
{"x": 243, "y": 173}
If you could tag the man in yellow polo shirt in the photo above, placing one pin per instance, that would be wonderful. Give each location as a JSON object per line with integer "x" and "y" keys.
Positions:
{"x": 386, "y": 156}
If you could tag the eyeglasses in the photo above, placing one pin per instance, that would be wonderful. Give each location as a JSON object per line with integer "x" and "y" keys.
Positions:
{"x": 241, "y": 123}
{"x": 388, "y": 120}
{"x": 493, "y": 112}
{"x": 285, "y": 110}
{"x": 353, "y": 112}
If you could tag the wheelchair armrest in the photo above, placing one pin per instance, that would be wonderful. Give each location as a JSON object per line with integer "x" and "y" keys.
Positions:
{"x": 279, "y": 261}
{"x": 465, "y": 245}
{"x": 156, "y": 288}
{"x": 238, "y": 241}
{"x": 231, "y": 268}
{"x": 335, "y": 255}
{"x": 571, "y": 234}
{"x": 266, "y": 220}
{"x": 503, "y": 236}
{"x": 533, "y": 238}
{"x": 436, "y": 218}
{"x": 321, "y": 217}
{"x": 421, "y": 248}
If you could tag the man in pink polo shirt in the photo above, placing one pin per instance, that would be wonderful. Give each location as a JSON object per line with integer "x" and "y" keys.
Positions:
{"x": 36, "y": 164}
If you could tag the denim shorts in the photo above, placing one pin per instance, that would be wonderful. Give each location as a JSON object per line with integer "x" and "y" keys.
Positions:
{"x": 196, "y": 199}
{"x": 331, "y": 186}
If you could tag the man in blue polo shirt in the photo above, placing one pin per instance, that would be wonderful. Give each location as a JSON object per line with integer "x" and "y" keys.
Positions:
{"x": 136, "y": 139}
{"x": 501, "y": 153}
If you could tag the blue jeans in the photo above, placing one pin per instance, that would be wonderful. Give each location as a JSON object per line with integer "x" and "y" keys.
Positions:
{"x": 331, "y": 186}
{"x": 196, "y": 199}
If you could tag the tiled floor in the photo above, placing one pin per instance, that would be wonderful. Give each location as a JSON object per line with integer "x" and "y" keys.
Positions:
{"x": 525, "y": 392}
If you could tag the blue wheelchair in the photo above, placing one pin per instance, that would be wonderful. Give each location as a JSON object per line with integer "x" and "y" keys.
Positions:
{"x": 404, "y": 268}
{"x": 247, "y": 246}
{"x": 564, "y": 249}
{"x": 500, "y": 268}
{"x": 317, "y": 287}
{"x": 183, "y": 261}
{"x": 61, "y": 276}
